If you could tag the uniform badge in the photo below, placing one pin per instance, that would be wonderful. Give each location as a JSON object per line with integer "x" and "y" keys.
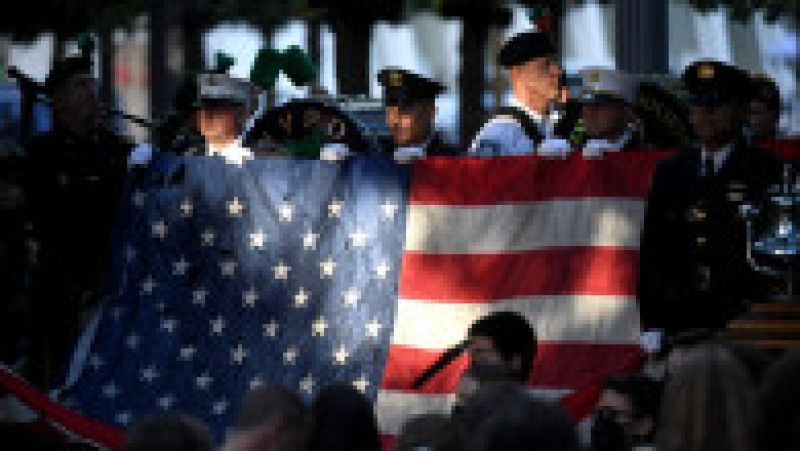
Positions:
{"x": 705, "y": 71}
{"x": 395, "y": 79}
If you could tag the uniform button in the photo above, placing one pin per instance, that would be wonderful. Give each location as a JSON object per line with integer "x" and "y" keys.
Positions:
{"x": 698, "y": 214}
{"x": 701, "y": 241}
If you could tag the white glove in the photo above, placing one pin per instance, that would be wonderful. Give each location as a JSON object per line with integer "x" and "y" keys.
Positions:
{"x": 554, "y": 148}
{"x": 334, "y": 152}
{"x": 652, "y": 341}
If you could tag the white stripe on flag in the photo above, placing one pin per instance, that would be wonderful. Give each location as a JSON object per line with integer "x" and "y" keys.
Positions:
{"x": 449, "y": 229}
{"x": 599, "y": 319}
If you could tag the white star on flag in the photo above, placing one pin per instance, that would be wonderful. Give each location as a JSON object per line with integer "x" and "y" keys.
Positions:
{"x": 199, "y": 296}
{"x": 285, "y": 212}
{"x": 123, "y": 418}
{"x": 217, "y": 325}
{"x": 130, "y": 253}
{"x": 207, "y": 238}
{"x": 187, "y": 352}
{"x": 139, "y": 198}
{"x": 389, "y": 209}
{"x": 95, "y": 361}
{"x": 149, "y": 374}
{"x": 165, "y": 402}
{"x": 351, "y": 297}
{"x": 318, "y": 327}
{"x": 169, "y": 325}
{"x": 235, "y": 207}
{"x": 110, "y": 390}
{"x": 159, "y": 229}
{"x": 186, "y": 207}
{"x": 203, "y": 381}
{"x": 361, "y": 384}
{"x": 374, "y": 328}
{"x": 301, "y": 297}
{"x": 358, "y": 238}
{"x": 179, "y": 267}
{"x": 281, "y": 271}
{"x": 220, "y": 407}
{"x": 270, "y": 329}
{"x": 227, "y": 268}
{"x": 133, "y": 341}
{"x": 148, "y": 285}
{"x": 307, "y": 384}
{"x": 290, "y": 355}
{"x": 335, "y": 208}
{"x": 310, "y": 240}
{"x": 381, "y": 270}
{"x": 250, "y": 297}
{"x": 238, "y": 354}
{"x": 340, "y": 356}
{"x": 327, "y": 267}
{"x": 257, "y": 239}
{"x": 256, "y": 382}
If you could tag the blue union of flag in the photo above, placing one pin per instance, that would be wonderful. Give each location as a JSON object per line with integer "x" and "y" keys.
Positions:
{"x": 231, "y": 277}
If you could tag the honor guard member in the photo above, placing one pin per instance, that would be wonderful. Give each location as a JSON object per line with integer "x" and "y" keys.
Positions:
{"x": 693, "y": 266}
{"x": 74, "y": 177}
{"x": 410, "y": 105}
{"x": 221, "y": 114}
{"x": 606, "y": 112}
{"x": 764, "y": 109}
{"x": 535, "y": 75}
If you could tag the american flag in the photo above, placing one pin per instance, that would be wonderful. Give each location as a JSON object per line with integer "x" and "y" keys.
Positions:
{"x": 233, "y": 277}
{"x": 429, "y": 248}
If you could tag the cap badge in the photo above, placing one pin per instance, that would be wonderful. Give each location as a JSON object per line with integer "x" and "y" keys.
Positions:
{"x": 705, "y": 71}
{"x": 395, "y": 79}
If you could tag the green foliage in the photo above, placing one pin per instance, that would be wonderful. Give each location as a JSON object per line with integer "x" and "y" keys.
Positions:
{"x": 223, "y": 62}
{"x": 293, "y": 62}
{"x": 298, "y": 66}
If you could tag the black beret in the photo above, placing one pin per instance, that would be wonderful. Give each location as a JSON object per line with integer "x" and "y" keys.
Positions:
{"x": 765, "y": 90}
{"x": 64, "y": 69}
{"x": 524, "y": 47}
{"x": 713, "y": 82}
{"x": 402, "y": 87}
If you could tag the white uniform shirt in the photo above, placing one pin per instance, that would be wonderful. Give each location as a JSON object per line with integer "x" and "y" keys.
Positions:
{"x": 233, "y": 152}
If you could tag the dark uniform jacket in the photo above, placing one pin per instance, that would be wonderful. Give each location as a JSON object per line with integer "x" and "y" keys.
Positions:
{"x": 72, "y": 188}
{"x": 693, "y": 268}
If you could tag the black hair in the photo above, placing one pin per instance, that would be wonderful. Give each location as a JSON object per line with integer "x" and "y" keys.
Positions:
{"x": 511, "y": 335}
{"x": 526, "y": 423}
{"x": 173, "y": 432}
{"x": 643, "y": 393}
{"x": 260, "y": 405}
{"x": 342, "y": 418}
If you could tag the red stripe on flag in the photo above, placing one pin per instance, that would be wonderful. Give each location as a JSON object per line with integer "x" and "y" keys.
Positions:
{"x": 558, "y": 365}
{"x": 50, "y": 410}
{"x": 488, "y": 181}
{"x": 558, "y": 271}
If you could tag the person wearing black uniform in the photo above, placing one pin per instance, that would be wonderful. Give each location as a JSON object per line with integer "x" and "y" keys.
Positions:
{"x": 693, "y": 268}
{"x": 73, "y": 180}
{"x": 764, "y": 109}
{"x": 410, "y": 104}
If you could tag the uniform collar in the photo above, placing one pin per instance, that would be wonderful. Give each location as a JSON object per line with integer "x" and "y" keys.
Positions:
{"x": 546, "y": 123}
{"x": 610, "y": 146}
{"x": 233, "y": 152}
{"x": 720, "y": 156}
{"x": 404, "y": 154}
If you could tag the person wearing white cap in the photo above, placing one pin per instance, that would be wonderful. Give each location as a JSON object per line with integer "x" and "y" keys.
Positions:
{"x": 606, "y": 98}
